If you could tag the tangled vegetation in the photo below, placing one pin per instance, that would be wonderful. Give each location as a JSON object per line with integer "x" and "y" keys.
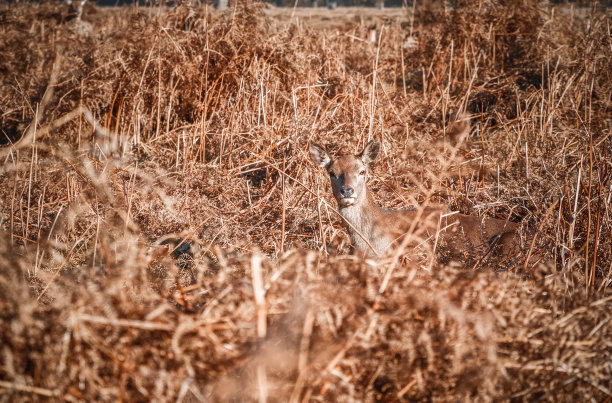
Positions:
{"x": 165, "y": 237}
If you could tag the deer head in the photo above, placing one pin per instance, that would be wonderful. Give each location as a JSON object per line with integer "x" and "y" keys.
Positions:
{"x": 347, "y": 173}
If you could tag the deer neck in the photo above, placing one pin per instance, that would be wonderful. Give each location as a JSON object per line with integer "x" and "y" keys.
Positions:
{"x": 361, "y": 216}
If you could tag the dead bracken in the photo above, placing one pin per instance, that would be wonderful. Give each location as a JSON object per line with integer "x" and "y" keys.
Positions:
{"x": 165, "y": 237}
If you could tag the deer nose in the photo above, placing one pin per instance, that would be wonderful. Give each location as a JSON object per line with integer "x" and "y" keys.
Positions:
{"x": 346, "y": 192}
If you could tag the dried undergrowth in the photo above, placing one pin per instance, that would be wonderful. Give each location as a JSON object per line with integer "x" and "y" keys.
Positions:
{"x": 164, "y": 236}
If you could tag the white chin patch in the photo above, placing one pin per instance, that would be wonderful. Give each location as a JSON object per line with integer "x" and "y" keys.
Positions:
{"x": 347, "y": 201}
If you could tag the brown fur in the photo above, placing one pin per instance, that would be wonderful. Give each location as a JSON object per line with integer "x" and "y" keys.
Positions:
{"x": 457, "y": 236}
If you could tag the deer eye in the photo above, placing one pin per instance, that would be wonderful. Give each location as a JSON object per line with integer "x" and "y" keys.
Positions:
{"x": 332, "y": 174}
{"x": 362, "y": 172}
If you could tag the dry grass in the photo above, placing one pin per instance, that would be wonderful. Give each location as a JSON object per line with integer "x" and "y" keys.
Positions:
{"x": 132, "y": 129}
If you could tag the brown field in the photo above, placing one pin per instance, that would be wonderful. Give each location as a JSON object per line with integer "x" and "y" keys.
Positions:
{"x": 133, "y": 128}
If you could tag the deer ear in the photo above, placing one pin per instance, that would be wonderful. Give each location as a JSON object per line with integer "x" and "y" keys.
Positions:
{"x": 318, "y": 155}
{"x": 370, "y": 152}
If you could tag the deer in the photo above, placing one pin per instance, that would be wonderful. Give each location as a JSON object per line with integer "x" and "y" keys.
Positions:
{"x": 375, "y": 231}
